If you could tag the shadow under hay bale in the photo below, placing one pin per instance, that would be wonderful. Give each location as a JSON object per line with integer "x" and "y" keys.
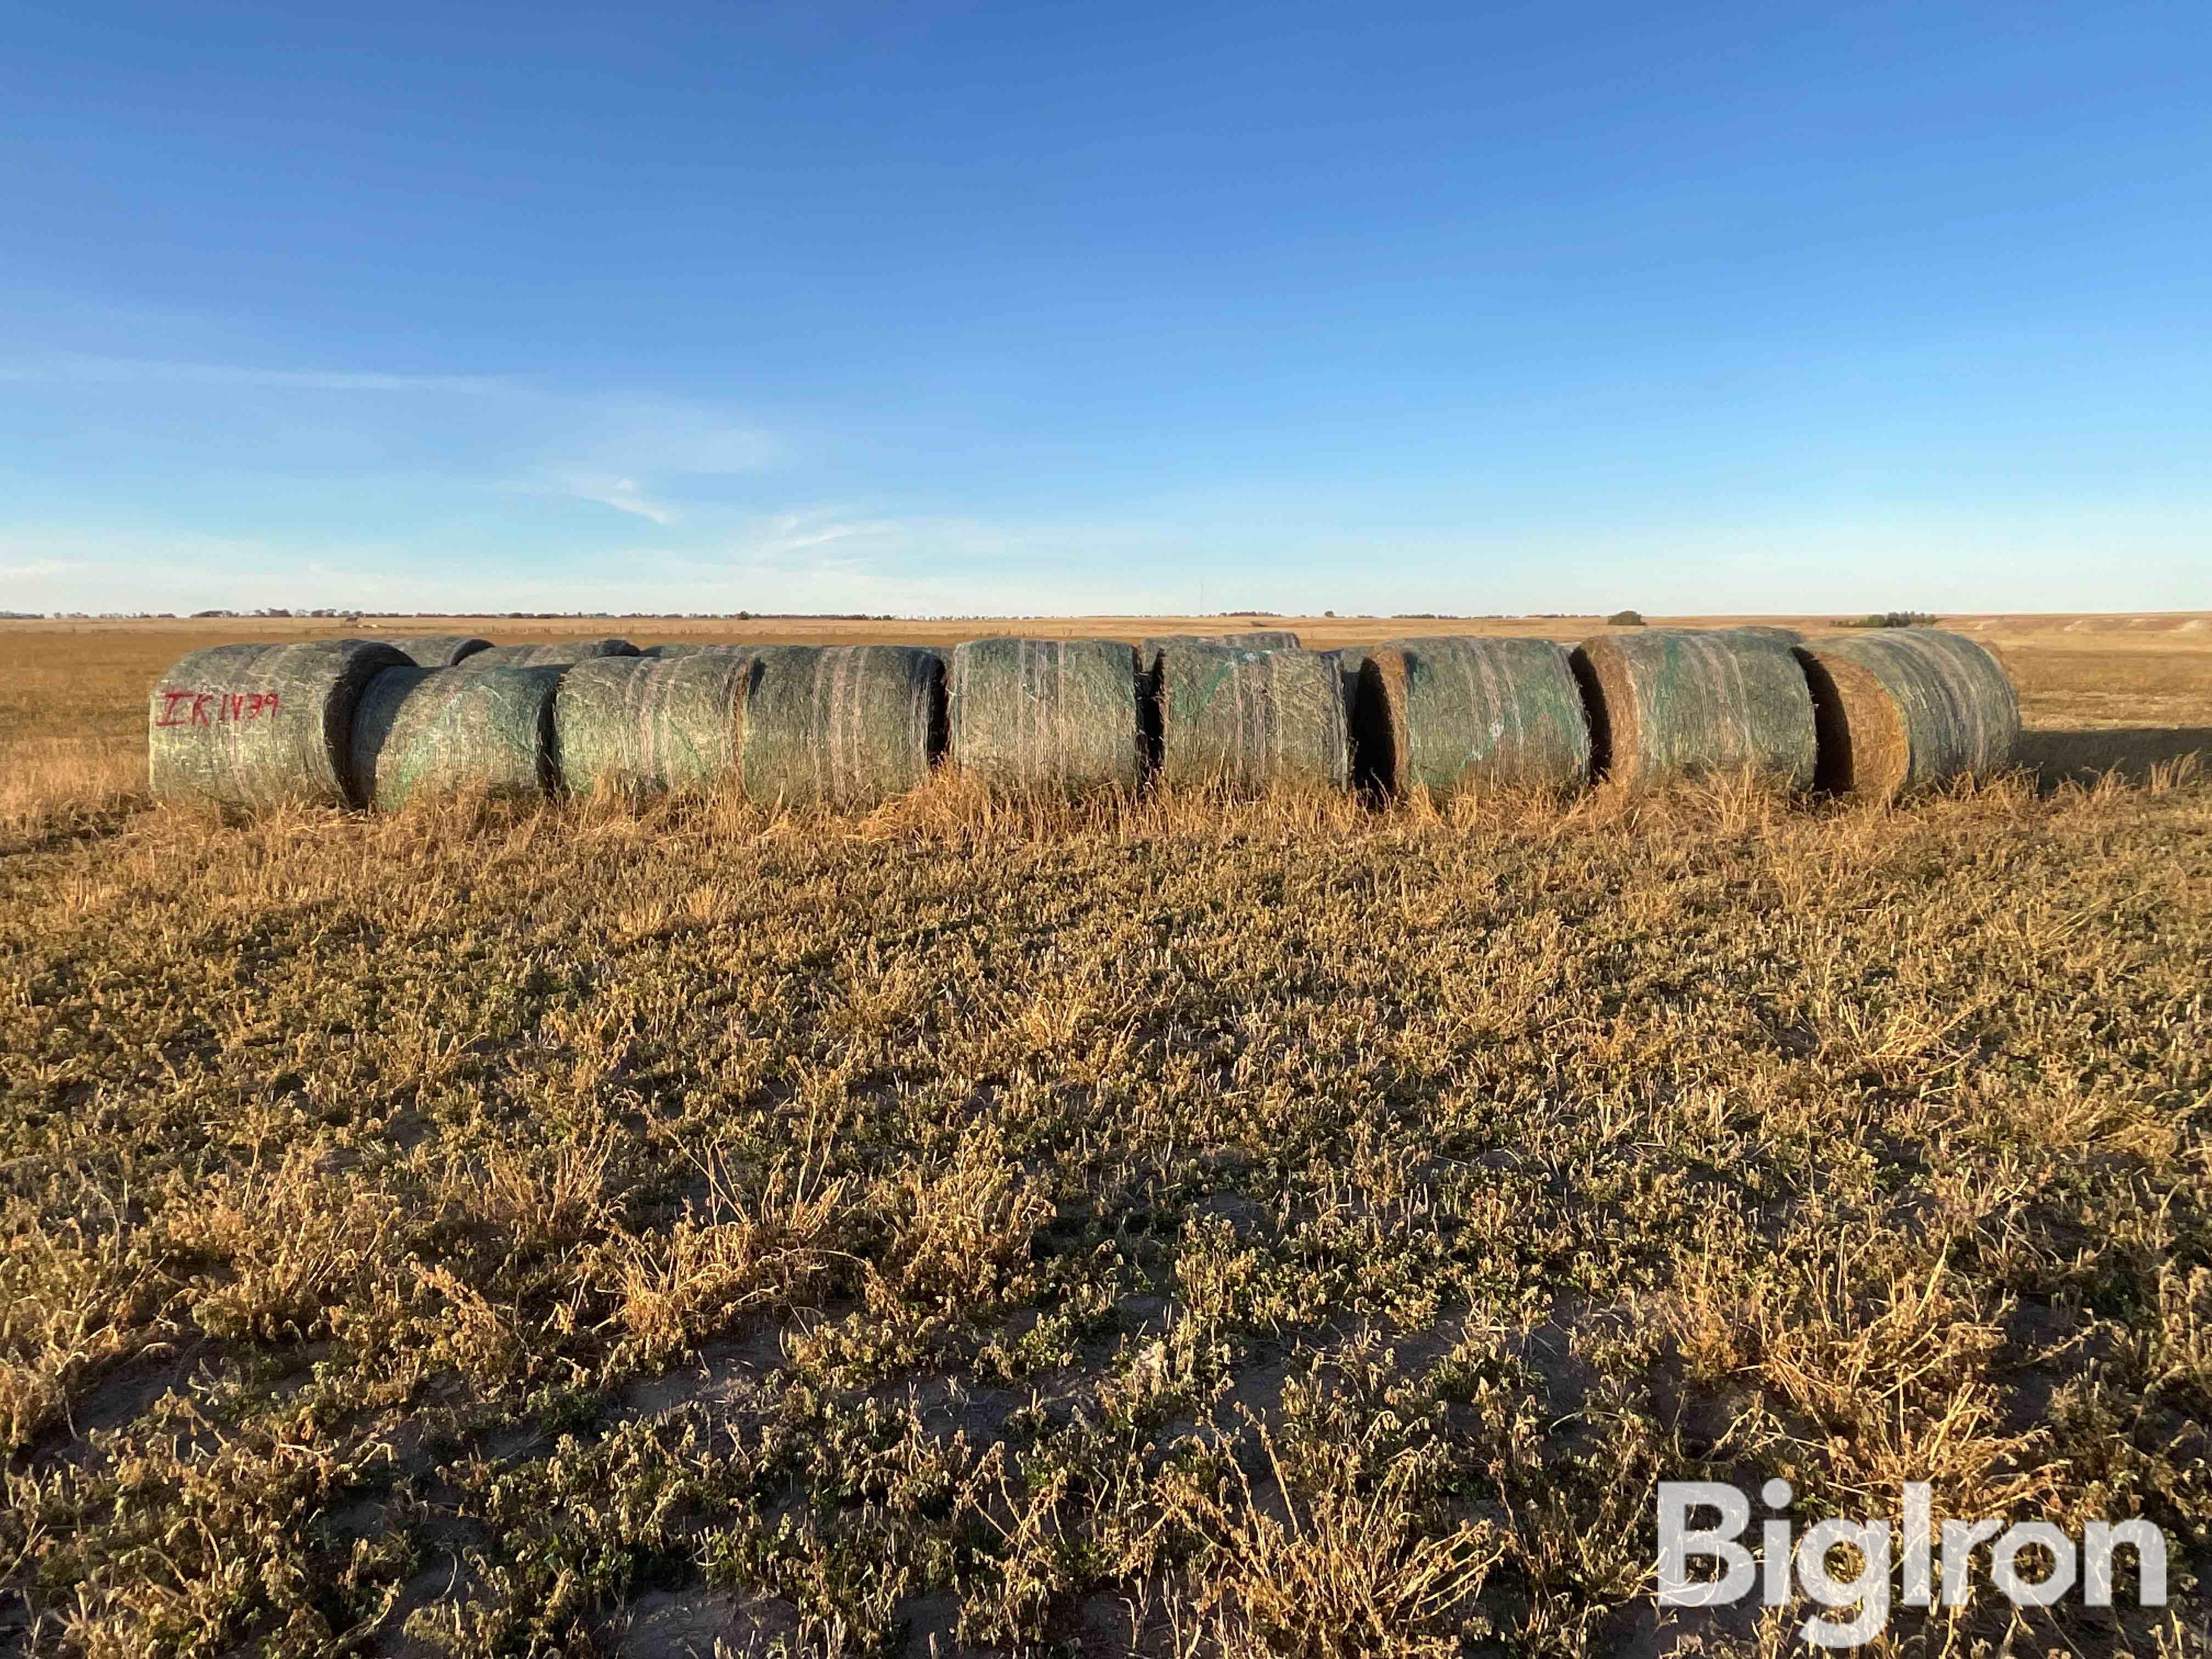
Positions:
{"x": 1046, "y": 716}
{"x": 1453, "y": 714}
{"x": 1905, "y": 708}
{"x": 421, "y": 731}
{"x": 263, "y": 724}
{"x": 439, "y": 650}
{"x": 1249, "y": 718}
{"x": 1673, "y": 703}
{"x": 2133, "y": 753}
{"x": 650, "y": 724}
{"x": 559, "y": 655}
{"x": 842, "y": 725}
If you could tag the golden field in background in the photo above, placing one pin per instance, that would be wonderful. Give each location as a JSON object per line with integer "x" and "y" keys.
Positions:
{"x": 1191, "y": 1228}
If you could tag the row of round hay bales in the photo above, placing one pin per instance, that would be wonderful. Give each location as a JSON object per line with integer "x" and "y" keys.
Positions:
{"x": 355, "y": 722}
{"x": 1246, "y": 718}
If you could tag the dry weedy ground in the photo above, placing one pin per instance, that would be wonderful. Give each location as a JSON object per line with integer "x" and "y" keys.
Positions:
{"x": 1295, "y": 1229}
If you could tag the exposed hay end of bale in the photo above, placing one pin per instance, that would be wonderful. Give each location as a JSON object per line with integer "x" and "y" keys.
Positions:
{"x": 263, "y": 724}
{"x": 650, "y": 724}
{"x": 1673, "y": 704}
{"x": 439, "y": 650}
{"x": 1900, "y": 709}
{"x": 559, "y": 655}
{"x": 443, "y": 731}
{"x": 1046, "y": 716}
{"x": 842, "y": 725}
{"x": 1458, "y": 714}
{"x": 1247, "y": 718}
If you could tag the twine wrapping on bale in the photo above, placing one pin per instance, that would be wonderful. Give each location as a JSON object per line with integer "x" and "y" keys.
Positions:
{"x": 647, "y": 725}
{"x": 439, "y": 650}
{"x": 1047, "y": 716}
{"x": 263, "y": 724}
{"x": 1902, "y": 708}
{"x": 442, "y": 732}
{"x": 1669, "y": 703}
{"x": 842, "y": 725}
{"x": 1250, "y": 719}
{"x": 1458, "y": 714}
{"x": 559, "y": 655}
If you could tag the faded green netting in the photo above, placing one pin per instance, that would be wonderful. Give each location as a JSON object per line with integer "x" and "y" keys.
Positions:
{"x": 1249, "y": 717}
{"x": 1903, "y": 709}
{"x": 550, "y": 656}
{"x": 1049, "y": 716}
{"x": 1669, "y": 703}
{"x": 445, "y": 730}
{"x": 650, "y": 723}
{"x": 439, "y": 650}
{"x": 1455, "y": 713}
{"x": 262, "y": 724}
{"x": 842, "y": 725}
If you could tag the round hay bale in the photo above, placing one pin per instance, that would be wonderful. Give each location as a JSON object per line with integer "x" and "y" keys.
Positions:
{"x": 650, "y": 723}
{"x": 439, "y": 650}
{"x": 262, "y": 724}
{"x": 1456, "y": 713}
{"x": 1249, "y": 718}
{"x": 559, "y": 655}
{"x": 1770, "y": 631}
{"x": 1901, "y": 708}
{"x": 1047, "y": 716}
{"x": 442, "y": 731}
{"x": 1257, "y": 638}
{"x": 1670, "y": 703}
{"x": 842, "y": 725}
{"x": 666, "y": 651}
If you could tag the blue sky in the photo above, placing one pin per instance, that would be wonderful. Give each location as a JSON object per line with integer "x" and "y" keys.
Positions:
{"x": 938, "y": 308}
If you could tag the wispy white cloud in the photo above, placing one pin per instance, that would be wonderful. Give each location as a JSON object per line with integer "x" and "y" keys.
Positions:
{"x": 72, "y": 370}
{"x": 622, "y": 494}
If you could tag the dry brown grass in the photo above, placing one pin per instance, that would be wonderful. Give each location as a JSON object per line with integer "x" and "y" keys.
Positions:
{"x": 1293, "y": 1229}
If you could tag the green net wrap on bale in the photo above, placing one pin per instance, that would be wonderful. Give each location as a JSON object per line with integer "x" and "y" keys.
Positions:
{"x": 439, "y": 650}
{"x": 1046, "y": 716}
{"x": 1247, "y": 718}
{"x": 674, "y": 650}
{"x": 842, "y": 725}
{"x": 438, "y": 732}
{"x": 550, "y": 656}
{"x": 263, "y": 724}
{"x": 1667, "y": 704}
{"x": 1459, "y": 713}
{"x": 1770, "y": 631}
{"x": 1257, "y": 638}
{"x": 647, "y": 725}
{"x": 1901, "y": 708}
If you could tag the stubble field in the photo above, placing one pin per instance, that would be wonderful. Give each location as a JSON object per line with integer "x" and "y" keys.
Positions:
{"x": 1286, "y": 1229}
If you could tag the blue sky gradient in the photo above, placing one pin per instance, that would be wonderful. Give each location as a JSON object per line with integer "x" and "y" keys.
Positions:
{"x": 993, "y": 308}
